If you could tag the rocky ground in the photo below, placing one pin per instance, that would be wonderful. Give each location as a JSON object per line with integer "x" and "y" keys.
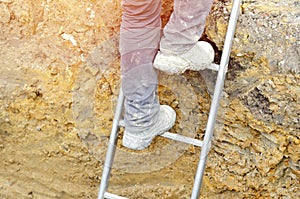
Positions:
{"x": 59, "y": 80}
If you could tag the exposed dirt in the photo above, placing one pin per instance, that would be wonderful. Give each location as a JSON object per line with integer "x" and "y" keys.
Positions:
{"x": 59, "y": 80}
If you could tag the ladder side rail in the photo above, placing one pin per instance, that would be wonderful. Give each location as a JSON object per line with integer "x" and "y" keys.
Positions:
{"x": 110, "y": 154}
{"x": 216, "y": 98}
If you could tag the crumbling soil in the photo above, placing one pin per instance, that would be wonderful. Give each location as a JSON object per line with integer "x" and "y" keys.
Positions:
{"x": 59, "y": 81}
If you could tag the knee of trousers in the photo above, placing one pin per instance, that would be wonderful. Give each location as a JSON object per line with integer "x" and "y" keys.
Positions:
{"x": 141, "y": 13}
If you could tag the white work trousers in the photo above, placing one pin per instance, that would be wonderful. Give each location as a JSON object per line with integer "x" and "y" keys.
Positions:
{"x": 140, "y": 39}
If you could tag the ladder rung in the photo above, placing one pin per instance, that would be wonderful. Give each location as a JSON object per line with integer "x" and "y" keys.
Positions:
{"x": 112, "y": 196}
{"x": 176, "y": 137}
{"x": 214, "y": 66}
{"x": 122, "y": 123}
{"x": 182, "y": 138}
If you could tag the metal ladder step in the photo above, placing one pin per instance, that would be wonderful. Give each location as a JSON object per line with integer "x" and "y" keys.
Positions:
{"x": 112, "y": 196}
{"x": 214, "y": 67}
{"x": 182, "y": 138}
{"x": 169, "y": 135}
{"x": 122, "y": 123}
{"x": 174, "y": 136}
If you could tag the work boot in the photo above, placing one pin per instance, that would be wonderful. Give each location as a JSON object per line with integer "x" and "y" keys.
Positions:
{"x": 142, "y": 139}
{"x": 197, "y": 58}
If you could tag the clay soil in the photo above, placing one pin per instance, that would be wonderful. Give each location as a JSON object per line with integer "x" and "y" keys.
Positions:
{"x": 59, "y": 82}
{"x": 46, "y": 49}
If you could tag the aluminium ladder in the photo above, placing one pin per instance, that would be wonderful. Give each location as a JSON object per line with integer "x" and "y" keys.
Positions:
{"x": 205, "y": 144}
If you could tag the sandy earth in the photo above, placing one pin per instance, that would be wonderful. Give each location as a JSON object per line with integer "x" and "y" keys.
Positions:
{"x": 59, "y": 80}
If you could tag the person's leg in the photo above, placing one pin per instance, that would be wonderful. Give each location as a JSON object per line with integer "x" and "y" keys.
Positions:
{"x": 185, "y": 26}
{"x": 181, "y": 35}
{"x": 139, "y": 40}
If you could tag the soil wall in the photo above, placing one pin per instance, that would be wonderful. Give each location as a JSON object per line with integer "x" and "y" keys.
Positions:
{"x": 59, "y": 80}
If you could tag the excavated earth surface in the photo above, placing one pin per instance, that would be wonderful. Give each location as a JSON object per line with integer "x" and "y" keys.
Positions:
{"x": 59, "y": 81}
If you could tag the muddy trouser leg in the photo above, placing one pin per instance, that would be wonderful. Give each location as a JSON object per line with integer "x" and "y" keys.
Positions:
{"x": 139, "y": 40}
{"x": 185, "y": 26}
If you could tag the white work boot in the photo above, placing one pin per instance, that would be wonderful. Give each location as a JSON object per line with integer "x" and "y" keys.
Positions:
{"x": 142, "y": 139}
{"x": 197, "y": 58}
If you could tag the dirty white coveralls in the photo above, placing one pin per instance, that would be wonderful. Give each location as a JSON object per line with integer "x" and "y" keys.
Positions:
{"x": 140, "y": 39}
